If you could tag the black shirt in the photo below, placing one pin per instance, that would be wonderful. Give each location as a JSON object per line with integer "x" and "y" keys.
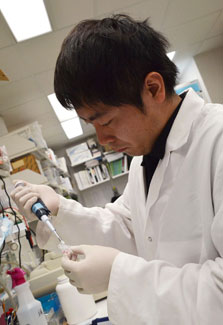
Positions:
{"x": 150, "y": 161}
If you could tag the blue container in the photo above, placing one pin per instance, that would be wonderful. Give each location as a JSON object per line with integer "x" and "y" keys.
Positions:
{"x": 50, "y": 301}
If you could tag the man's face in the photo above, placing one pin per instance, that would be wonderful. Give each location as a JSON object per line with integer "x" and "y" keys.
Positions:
{"x": 125, "y": 128}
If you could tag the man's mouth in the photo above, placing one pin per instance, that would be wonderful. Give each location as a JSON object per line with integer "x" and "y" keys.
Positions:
{"x": 120, "y": 149}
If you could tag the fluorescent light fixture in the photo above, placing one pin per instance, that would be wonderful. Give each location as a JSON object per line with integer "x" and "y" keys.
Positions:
{"x": 171, "y": 55}
{"x": 68, "y": 118}
{"x": 61, "y": 112}
{"x": 26, "y": 18}
{"x": 72, "y": 128}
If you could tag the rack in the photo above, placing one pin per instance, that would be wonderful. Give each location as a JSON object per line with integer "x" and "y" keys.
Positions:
{"x": 120, "y": 175}
{"x": 93, "y": 185}
{"x": 39, "y": 154}
{"x": 29, "y": 140}
{"x": 115, "y": 165}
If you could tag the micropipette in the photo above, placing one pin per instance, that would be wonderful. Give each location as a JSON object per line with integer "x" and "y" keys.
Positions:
{"x": 42, "y": 213}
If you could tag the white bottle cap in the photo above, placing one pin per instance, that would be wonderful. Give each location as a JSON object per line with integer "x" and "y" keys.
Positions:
{"x": 62, "y": 279}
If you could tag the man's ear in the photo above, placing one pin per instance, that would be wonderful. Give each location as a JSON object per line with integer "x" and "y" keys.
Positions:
{"x": 154, "y": 85}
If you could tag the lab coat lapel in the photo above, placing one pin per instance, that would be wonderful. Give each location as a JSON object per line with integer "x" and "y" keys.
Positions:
{"x": 178, "y": 136}
{"x": 156, "y": 182}
{"x": 141, "y": 193}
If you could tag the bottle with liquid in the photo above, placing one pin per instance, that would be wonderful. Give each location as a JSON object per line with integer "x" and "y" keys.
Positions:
{"x": 30, "y": 310}
{"x": 77, "y": 307}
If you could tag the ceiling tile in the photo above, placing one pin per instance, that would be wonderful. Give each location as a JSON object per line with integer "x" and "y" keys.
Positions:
{"x": 218, "y": 26}
{"x": 43, "y": 119}
{"x": 154, "y": 10}
{"x": 188, "y": 51}
{"x": 26, "y": 113}
{"x": 180, "y": 11}
{"x": 6, "y": 37}
{"x": 45, "y": 81}
{"x": 107, "y": 6}
{"x": 68, "y": 13}
{"x": 17, "y": 93}
{"x": 191, "y": 32}
{"x": 12, "y": 63}
{"x": 191, "y": 26}
{"x": 212, "y": 43}
{"x": 40, "y": 54}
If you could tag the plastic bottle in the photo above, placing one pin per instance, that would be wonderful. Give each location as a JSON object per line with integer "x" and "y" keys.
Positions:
{"x": 30, "y": 310}
{"x": 76, "y": 307}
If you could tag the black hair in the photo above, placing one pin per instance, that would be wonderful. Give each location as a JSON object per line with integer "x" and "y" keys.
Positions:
{"x": 107, "y": 61}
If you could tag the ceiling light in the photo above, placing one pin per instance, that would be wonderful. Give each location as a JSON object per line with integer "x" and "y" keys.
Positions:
{"x": 72, "y": 128}
{"x": 26, "y": 18}
{"x": 171, "y": 55}
{"x": 61, "y": 112}
{"x": 68, "y": 118}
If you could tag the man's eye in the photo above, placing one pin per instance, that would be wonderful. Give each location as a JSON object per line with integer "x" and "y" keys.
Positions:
{"x": 86, "y": 122}
{"x": 107, "y": 123}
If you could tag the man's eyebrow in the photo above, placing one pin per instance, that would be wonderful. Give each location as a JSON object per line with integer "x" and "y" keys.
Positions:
{"x": 93, "y": 117}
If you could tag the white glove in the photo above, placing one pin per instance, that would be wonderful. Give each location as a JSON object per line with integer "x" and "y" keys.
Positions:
{"x": 25, "y": 196}
{"x": 91, "y": 274}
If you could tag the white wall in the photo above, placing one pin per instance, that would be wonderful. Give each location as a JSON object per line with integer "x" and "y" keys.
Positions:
{"x": 210, "y": 65}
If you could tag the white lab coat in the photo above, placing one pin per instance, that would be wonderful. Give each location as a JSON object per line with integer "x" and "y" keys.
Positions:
{"x": 170, "y": 271}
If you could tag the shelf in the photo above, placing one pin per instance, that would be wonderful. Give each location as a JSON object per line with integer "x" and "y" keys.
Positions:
{"x": 59, "y": 187}
{"x": 18, "y": 146}
{"x": 93, "y": 185}
{"x": 119, "y": 175}
{"x": 30, "y": 176}
{"x": 84, "y": 161}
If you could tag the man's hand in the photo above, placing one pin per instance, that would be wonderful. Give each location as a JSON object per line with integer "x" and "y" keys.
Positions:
{"x": 25, "y": 196}
{"x": 90, "y": 274}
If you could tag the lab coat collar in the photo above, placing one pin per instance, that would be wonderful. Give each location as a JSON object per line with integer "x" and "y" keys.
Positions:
{"x": 188, "y": 112}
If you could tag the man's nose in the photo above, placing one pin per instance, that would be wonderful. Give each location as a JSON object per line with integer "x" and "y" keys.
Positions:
{"x": 104, "y": 135}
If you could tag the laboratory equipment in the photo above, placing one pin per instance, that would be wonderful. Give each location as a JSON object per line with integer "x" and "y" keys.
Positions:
{"x": 43, "y": 279}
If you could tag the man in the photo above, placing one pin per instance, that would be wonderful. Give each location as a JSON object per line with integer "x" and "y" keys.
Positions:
{"x": 160, "y": 244}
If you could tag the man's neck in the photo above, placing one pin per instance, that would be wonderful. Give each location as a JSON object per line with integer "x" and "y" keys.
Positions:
{"x": 167, "y": 109}
{"x": 171, "y": 104}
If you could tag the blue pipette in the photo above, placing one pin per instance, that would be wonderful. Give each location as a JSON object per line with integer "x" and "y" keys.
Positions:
{"x": 42, "y": 213}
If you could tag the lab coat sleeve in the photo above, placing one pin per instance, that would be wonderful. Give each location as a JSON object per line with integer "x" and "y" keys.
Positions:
{"x": 159, "y": 293}
{"x": 109, "y": 226}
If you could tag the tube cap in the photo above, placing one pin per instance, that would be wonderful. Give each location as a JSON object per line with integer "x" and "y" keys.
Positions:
{"x": 17, "y": 276}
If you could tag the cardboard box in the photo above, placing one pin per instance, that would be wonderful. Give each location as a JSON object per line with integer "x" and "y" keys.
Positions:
{"x": 25, "y": 162}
